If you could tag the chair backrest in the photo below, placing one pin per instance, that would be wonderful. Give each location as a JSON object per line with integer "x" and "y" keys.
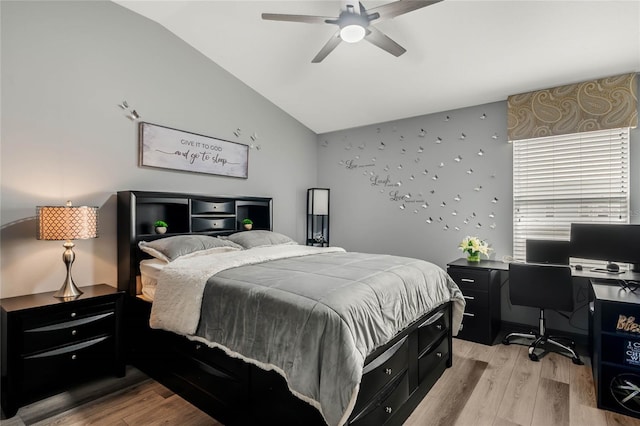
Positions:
{"x": 541, "y": 286}
{"x": 548, "y": 251}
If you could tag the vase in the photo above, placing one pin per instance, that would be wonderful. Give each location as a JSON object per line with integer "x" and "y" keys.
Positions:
{"x": 161, "y": 229}
{"x": 248, "y": 226}
{"x": 473, "y": 257}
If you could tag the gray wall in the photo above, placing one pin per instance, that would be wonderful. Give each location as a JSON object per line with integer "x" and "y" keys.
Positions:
{"x": 65, "y": 68}
{"x": 376, "y": 218}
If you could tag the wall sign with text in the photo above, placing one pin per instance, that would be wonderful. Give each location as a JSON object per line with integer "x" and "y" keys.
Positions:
{"x": 169, "y": 148}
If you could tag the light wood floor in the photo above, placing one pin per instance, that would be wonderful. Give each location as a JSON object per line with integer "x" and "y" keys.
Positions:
{"x": 487, "y": 385}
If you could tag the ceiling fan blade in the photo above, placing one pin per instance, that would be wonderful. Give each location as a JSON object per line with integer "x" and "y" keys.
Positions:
{"x": 378, "y": 38}
{"x": 333, "y": 42}
{"x": 307, "y": 19}
{"x": 400, "y": 7}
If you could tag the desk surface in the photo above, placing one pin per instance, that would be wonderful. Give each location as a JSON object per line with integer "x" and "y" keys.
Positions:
{"x": 612, "y": 292}
{"x": 584, "y": 273}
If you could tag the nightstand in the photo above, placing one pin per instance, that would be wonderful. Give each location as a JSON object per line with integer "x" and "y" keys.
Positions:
{"x": 49, "y": 344}
{"x": 480, "y": 284}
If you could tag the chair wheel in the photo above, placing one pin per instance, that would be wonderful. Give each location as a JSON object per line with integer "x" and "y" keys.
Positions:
{"x": 534, "y": 357}
{"x": 577, "y": 361}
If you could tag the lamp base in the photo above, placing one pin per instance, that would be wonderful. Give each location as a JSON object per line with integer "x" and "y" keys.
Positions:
{"x": 69, "y": 290}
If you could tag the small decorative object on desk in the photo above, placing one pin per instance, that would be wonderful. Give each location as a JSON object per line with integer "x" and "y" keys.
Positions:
{"x": 160, "y": 226}
{"x": 473, "y": 246}
{"x": 247, "y": 224}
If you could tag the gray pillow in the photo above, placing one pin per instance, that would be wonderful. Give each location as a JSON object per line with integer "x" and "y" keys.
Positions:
{"x": 258, "y": 238}
{"x": 170, "y": 248}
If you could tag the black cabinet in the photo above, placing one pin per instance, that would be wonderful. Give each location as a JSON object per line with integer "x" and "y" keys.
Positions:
{"x": 185, "y": 214}
{"x": 614, "y": 328}
{"x": 480, "y": 285}
{"x": 49, "y": 344}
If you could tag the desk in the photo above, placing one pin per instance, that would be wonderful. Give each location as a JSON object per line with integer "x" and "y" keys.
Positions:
{"x": 614, "y": 346}
{"x": 480, "y": 283}
{"x": 614, "y": 325}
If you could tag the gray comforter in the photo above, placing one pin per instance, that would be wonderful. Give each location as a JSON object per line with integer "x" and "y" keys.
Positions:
{"x": 315, "y": 318}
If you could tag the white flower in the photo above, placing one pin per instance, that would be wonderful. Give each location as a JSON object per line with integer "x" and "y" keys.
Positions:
{"x": 474, "y": 245}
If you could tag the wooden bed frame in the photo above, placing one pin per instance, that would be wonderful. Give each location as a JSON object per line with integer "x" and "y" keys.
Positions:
{"x": 396, "y": 376}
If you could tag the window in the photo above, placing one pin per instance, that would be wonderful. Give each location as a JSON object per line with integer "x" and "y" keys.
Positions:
{"x": 557, "y": 180}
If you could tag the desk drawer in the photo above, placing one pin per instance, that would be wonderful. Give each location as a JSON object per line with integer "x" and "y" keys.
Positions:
{"x": 477, "y": 301}
{"x": 476, "y": 326}
{"x": 470, "y": 279}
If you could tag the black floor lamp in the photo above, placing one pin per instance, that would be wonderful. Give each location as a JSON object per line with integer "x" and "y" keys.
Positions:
{"x": 318, "y": 217}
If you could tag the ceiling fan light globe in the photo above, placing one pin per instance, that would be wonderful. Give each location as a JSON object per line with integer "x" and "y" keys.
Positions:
{"x": 352, "y": 33}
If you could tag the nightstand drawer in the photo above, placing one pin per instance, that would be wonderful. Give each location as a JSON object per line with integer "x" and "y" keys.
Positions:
{"x": 68, "y": 363}
{"x": 471, "y": 279}
{"x": 54, "y": 314}
{"x": 62, "y": 333}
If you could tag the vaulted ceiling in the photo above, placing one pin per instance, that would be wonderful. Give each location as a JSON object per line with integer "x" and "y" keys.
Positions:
{"x": 459, "y": 53}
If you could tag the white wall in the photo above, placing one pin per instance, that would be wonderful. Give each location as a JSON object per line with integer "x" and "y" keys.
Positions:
{"x": 65, "y": 68}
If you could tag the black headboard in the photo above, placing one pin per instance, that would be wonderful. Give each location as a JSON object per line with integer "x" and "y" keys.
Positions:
{"x": 185, "y": 214}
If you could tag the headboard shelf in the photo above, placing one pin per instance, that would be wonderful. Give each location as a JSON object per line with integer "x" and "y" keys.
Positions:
{"x": 186, "y": 214}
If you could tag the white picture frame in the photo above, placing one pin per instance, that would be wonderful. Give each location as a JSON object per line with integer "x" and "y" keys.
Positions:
{"x": 167, "y": 148}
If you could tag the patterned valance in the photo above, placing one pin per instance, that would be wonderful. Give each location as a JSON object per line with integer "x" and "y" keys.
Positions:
{"x": 607, "y": 103}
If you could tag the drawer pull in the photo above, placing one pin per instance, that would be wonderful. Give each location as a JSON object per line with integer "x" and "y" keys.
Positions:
{"x": 74, "y": 356}
{"x": 388, "y": 371}
{"x": 467, "y": 280}
{"x": 469, "y": 297}
{"x": 439, "y": 354}
{"x": 198, "y": 346}
{"x": 467, "y": 314}
{"x": 439, "y": 326}
{"x": 73, "y": 314}
{"x": 388, "y": 410}
{"x": 74, "y": 332}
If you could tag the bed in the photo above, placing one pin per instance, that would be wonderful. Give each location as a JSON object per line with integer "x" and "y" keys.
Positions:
{"x": 254, "y": 328}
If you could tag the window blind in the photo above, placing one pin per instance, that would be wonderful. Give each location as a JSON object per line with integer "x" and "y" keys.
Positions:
{"x": 557, "y": 180}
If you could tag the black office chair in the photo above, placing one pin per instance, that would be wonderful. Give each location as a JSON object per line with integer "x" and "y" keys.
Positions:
{"x": 544, "y": 287}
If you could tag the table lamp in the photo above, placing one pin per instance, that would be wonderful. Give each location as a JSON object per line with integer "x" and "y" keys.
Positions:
{"x": 67, "y": 223}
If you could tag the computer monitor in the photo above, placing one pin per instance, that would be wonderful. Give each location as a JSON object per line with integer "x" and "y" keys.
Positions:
{"x": 609, "y": 242}
{"x": 547, "y": 251}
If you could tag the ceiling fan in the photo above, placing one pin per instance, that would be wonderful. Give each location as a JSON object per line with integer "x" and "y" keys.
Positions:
{"x": 354, "y": 24}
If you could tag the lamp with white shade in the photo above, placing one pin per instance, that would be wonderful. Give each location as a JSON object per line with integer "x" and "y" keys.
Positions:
{"x": 318, "y": 217}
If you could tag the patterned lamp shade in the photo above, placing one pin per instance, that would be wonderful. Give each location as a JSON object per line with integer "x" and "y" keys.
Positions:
{"x": 67, "y": 222}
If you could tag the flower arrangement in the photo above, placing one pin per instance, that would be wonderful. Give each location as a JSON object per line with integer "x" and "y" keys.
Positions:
{"x": 160, "y": 224}
{"x": 473, "y": 246}
{"x": 247, "y": 222}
